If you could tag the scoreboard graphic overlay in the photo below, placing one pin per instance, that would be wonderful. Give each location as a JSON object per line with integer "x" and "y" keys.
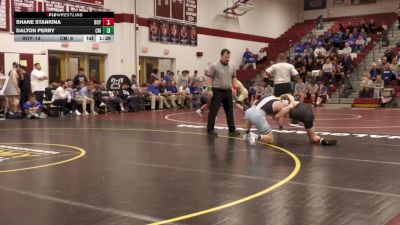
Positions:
{"x": 64, "y": 26}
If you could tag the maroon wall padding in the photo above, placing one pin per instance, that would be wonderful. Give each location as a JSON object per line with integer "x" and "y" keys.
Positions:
{"x": 29, "y": 59}
{"x": 124, "y": 18}
{"x": 366, "y": 101}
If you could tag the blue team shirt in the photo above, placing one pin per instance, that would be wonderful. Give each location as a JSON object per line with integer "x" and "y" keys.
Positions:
{"x": 153, "y": 89}
{"x": 28, "y": 105}
{"x": 172, "y": 89}
{"x": 387, "y": 74}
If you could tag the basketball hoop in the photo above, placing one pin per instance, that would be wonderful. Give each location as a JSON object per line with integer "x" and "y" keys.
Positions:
{"x": 239, "y": 8}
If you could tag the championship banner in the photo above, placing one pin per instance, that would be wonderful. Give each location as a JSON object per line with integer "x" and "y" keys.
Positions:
{"x": 193, "y": 36}
{"x": 4, "y": 15}
{"x": 164, "y": 30}
{"x": 154, "y": 30}
{"x": 184, "y": 34}
{"x": 174, "y": 32}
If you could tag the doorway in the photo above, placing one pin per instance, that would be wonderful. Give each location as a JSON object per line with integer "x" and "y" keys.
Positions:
{"x": 147, "y": 64}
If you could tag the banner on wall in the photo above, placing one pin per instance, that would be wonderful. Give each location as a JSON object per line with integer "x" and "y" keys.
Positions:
{"x": 154, "y": 30}
{"x": 183, "y": 34}
{"x": 174, "y": 30}
{"x": 164, "y": 30}
{"x": 191, "y": 11}
{"x": 177, "y": 9}
{"x": 314, "y": 4}
{"x": 163, "y": 8}
{"x": 4, "y": 15}
{"x": 193, "y": 36}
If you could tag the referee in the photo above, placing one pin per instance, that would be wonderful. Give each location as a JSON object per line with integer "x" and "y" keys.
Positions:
{"x": 282, "y": 72}
{"x": 220, "y": 76}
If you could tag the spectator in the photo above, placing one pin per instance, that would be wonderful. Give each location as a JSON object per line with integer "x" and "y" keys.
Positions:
{"x": 194, "y": 78}
{"x": 394, "y": 66}
{"x": 126, "y": 94}
{"x": 320, "y": 51}
{"x": 24, "y": 84}
{"x": 259, "y": 90}
{"x": 196, "y": 92}
{"x": 168, "y": 77}
{"x": 347, "y": 64}
{"x": 174, "y": 94}
{"x": 154, "y": 75}
{"x": 32, "y": 108}
{"x": 337, "y": 41}
{"x": 322, "y": 94}
{"x": 107, "y": 99}
{"x": 268, "y": 90}
{"x": 375, "y": 71}
{"x": 85, "y": 98}
{"x": 164, "y": 93}
{"x": 79, "y": 77}
{"x": 387, "y": 74}
{"x": 155, "y": 95}
{"x": 338, "y": 76}
{"x": 185, "y": 96}
{"x": 378, "y": 86}
{"x": 184, "y": 79}
{"x": 39, "y": 82}
{"x": 359, "y": 46}
{"x": 328, "y": 71}
{"x": 366, "y": 87}
{"x": 300, "y": 90}
{"x": 62, "y": 98}
{"x": 347, "y": 49}
{"x": 313, "y": 91}
{"x": 384, "y": 61}
{"x": 13, "y": 99}
{"x": 364, "y": 34}
{"x": 262, "y": 56}
{"x": 134, "y": 83}
{"x": 249, "y": 59}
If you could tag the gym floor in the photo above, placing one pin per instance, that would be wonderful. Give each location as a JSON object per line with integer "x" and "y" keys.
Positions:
{"x": 159, "y": 167}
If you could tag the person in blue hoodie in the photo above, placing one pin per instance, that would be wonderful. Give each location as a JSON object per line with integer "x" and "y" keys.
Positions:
{"x": 32, "y": 108}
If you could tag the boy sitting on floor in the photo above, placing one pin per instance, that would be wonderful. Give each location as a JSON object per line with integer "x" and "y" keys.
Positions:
{"x": 33, "y": 108}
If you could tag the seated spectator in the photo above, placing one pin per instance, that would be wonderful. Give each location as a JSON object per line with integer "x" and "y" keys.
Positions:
{"x": 339, "y": 74}
{"x": 196, "y": 92}
{"x": 62, "y": 98}
{"x": 378, "y": 86}
{"x": 32, "y": 108}
{"x": 312, "y": 90}
{"x": 298, "y": 65}
{"x": 394, "y": 66}
{"x": 134, "y": 83}
{"x": 268, "y": 90}
{"x": 259, "y": 90}
{"x": 253, "y": 92}
{"x": 366, "y": 87}
{"x": 322, "y": 94}
{"x": 375, "y": 71}
{"x": 79, "y": 77}
{"x": 107, "y": 99}
{"x": 387, "y": 74}
{"x": 300, "y": 90}
{"x": 346, "y": 64}
{"x": 351, "y": 41}
{"x": 359, "y": 46}
{"x": 328, "y": 71}
{"x": 85, "y": 98}
{"x": 299, "y": 48}
{"x": 320, "y": 51}
{"x": 383, "y": 63}
{"x": 310, "y": 65}
{"x": 174, "y": 94}
{"x": 186, "y": 96}
{"x": 249, "y": 59}
{"x": 364, "y": 34}
{"x": 347, "y": 49}
{"x": 127, "y": 96}
{"x": 155, "y": 95}
{"x": 337, "y": 41}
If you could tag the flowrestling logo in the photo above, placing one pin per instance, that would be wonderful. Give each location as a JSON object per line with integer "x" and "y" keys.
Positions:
{"x": 357, "y": 135}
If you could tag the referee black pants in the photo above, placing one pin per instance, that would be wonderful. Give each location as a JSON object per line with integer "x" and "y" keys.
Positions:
{"x": 225, "y": 97}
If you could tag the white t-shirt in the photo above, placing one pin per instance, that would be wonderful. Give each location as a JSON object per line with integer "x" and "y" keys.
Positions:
{"x": 184, "y": 91}
{"x": 36, "y": 84}
{"x": 347, "y": 50}
{"x": 282, "y": 72}
{"x": 61, "y": 93}
{"x": 327, "y": 68}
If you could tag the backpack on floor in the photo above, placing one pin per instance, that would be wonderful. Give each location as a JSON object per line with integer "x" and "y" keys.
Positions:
{"x": 54, "y": 111}
{"x": 14, "y": 116}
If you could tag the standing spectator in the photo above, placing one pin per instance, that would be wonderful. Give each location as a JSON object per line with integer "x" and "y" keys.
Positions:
{"x": 79, "y": 77}
{"x": 62, "y": 98}
{"x": 39, "y": 82}
{"x": 13, "y": 100}
{"x": 32, "y": 108}
{"x": 378, "y": 86}
{"x": 221, "y": 75}
{"x": 262, "y": 56}
{"x": 347, "y": 64}
{"x": 194, "y": 78}
{"x": 154, "y": 75}
{"x": 249, "y": 59}
{"x": 24, "y": 84}
{"x": 184, "y": 79}
{"x": 282, "y": 72}
{"x": 195, "y": 92}
{"x": 375, "y": 71}
{"x": 300, "y": 90}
